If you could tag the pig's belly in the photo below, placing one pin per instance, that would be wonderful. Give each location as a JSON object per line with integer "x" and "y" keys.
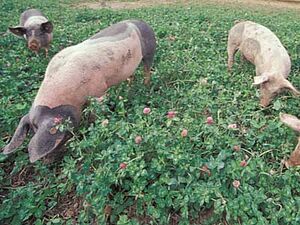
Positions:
{"x": 250, "y": 57}
{"x": 250, "y": 48}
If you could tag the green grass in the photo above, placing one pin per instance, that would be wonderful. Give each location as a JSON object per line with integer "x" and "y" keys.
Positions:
{"x": 164, "y": 181}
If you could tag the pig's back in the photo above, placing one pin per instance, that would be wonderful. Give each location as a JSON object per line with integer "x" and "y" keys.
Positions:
{"x": 29, "y": 14}
{"x": 89, "y": 68}
{"x": 265, "y": 37}
{"x": 272, "y": 52}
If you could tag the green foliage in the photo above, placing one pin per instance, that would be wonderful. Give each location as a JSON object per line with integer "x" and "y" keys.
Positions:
{"x": 166, "y": 175}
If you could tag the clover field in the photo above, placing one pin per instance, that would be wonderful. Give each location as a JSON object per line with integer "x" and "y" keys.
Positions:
{"x": 105, "y": 177}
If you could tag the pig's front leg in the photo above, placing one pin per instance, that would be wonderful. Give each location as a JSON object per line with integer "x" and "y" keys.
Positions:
{"x": 243, "y": 58}
{"x": 294, "y": 159}
{"x": 231, "y": 50}
{"x": 147, "y": 61}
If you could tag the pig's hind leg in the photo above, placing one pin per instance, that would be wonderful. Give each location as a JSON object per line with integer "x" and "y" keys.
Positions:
{"x": 148, "y": 43}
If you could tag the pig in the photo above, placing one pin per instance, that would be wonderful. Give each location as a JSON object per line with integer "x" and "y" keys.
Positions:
{"x": 294, "y": 123}
{"x": 36, "y": 29}
{"x": 262, "y": 48}
{"x": 78, "y": 72}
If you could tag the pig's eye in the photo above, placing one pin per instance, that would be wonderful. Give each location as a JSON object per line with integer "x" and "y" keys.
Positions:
{"x": 28, "y": 33}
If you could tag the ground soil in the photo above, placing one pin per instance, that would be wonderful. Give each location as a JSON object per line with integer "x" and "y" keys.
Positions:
{"x": 271, "y": 4}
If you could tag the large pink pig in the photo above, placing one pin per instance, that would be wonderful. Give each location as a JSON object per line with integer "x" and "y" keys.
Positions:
{"x": 262, "y": 48}
{"x": 80, "y": 71}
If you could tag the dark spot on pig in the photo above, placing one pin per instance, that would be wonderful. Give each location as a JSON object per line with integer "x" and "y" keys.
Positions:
{"x": 85, "y": 80}
{"x": 148, "y": 41}
{"x": 114, "y": 30}
{"x": 129, "y": 55}
{"x": 109, "y": 52}
{"x": 126, "y": 57}
{"x": 96, "y": 67}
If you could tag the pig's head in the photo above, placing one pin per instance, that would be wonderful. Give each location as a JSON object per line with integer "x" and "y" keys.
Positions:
{"x": 271, "y": 85}
{"x": 37, "y": 36}
{"x": 46, "y": 124}
{"x": 294, "y": 123}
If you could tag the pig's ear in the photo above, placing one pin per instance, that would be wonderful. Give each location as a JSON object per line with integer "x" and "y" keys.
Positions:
{"x": 288, "y": 85}
{"x": 19, "y": 31}
{"x": 260, "y": 79}
{"x": 46, "y": 139}
{"x": 47, "y": 27}
{"x": 291, "y": 121}
{"x": 19, "y": 135}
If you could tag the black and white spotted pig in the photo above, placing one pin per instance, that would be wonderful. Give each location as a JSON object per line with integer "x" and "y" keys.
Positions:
{"x": 35, "y": 28}
{"x": 87, "y": 69}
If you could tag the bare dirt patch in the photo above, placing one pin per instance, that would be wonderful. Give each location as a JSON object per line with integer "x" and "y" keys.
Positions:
{"x": 125, "y": 4}
{"x": 263, "y": 4}
{"x": 117, "y": 5}
{"x": 68, "y": 207}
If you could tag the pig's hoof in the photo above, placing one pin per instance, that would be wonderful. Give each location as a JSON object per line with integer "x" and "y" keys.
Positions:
{"x": 147, "y": 82}
{"x": 264, "y": 105}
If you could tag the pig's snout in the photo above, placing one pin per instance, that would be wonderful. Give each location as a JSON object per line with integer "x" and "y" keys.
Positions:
{"x": 34, "y": 45}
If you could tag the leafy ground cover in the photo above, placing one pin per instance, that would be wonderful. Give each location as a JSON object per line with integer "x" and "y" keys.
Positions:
{"x": 182, "y": 169}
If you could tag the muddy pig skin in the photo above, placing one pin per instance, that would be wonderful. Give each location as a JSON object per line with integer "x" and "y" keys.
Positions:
{"x": 36, "y": 29}
{"x": 77, "y": 72}
{"x": 262, "y": 48}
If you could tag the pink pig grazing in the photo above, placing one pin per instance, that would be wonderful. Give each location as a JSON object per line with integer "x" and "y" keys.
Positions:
{"x": 294, "y": 123}
{"x": 77, "y": 72}
{"x": 262, "y": 48}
